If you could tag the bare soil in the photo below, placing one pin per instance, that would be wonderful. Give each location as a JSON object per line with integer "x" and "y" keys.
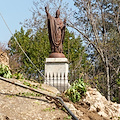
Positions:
{"x": 88, "y": 115}
{"x": 17, "y": 103}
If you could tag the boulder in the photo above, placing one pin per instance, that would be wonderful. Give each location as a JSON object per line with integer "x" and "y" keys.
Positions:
{"x": 99, "y": 103}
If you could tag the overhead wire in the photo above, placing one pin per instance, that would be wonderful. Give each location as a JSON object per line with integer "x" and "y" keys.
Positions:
{"x": 21, "y": 47}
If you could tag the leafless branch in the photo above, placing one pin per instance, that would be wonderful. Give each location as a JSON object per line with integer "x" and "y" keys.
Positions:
{"x": 89, "y": 41}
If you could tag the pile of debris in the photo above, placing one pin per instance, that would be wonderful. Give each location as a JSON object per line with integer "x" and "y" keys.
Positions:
{"x": 99, "y": 104}
{"x": 4, "y": 58}
{"x": 95, "y": 107}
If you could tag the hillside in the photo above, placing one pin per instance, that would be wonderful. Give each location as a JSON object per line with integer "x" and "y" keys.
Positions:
{"x": 18, "y": 103}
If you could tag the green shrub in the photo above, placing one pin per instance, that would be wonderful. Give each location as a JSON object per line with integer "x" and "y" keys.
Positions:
{"x": 30, "y": 85}
{"x": 118, "y": 80}
{"x": 77, "y": 90}
{"x": 4, "y": 71}
{"x": 18, "y": 76}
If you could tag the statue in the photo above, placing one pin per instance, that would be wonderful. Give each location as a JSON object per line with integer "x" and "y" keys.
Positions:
{"x": 56, "y": 30}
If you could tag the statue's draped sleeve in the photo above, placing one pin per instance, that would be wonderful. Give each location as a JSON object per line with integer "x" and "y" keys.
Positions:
{"x": 52, "y": 31}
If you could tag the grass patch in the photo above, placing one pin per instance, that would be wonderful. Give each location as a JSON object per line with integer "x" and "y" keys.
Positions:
{"x": 76, "y": 91}
{"x": 67, "y": 118}
{"x": 27, "y": 94}
{"x": 48, "y": 109}
{"x": 30, "y": 85}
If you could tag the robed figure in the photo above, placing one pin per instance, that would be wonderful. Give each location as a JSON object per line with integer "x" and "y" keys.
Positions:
{"x": 56, "y": 30}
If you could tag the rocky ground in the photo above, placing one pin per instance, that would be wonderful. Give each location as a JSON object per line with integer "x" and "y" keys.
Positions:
{"x": 17, "y": 103}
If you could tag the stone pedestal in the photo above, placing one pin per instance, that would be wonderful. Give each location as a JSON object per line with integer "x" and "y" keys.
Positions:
{"x": 56, "y": 72}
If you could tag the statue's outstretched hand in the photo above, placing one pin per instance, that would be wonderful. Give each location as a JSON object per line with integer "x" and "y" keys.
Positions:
{"x": 46, "y": 10}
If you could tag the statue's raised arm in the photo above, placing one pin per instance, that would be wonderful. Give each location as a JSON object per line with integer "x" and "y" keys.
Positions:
{"x": 46, "y": 10}
{"x": 48, "y": 14}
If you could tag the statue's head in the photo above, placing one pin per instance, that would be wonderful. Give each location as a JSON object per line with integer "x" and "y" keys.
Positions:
{"x": 57, "y": 13}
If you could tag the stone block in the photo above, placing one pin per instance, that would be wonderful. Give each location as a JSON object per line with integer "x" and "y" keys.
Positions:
{"x": 56, "y": 72}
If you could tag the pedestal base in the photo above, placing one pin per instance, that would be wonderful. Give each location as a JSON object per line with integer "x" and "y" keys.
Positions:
{"x": 56, "y": 72}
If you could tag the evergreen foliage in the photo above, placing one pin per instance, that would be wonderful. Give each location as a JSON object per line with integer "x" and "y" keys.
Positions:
{"x": 37, "y": 47}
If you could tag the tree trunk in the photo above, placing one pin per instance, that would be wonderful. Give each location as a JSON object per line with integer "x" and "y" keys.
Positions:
{"x": 119, "y": 95}
{"x": 108, "y": 79}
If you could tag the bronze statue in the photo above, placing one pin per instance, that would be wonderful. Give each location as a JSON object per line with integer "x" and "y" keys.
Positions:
{"x": 56, "y": 30}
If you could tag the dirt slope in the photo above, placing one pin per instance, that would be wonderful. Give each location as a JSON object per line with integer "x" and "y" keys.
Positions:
{"x": 17, "y": 103}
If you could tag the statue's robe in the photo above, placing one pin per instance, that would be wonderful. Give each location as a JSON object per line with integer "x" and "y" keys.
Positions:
{"x": 56, "y": 30}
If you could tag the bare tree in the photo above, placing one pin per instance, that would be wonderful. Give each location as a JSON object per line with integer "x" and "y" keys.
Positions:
{"x": 38, "y": 19}
{"x": 95, "y": 25}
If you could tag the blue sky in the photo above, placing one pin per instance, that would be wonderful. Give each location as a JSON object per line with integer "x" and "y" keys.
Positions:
{"x": 14, "y": 12}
